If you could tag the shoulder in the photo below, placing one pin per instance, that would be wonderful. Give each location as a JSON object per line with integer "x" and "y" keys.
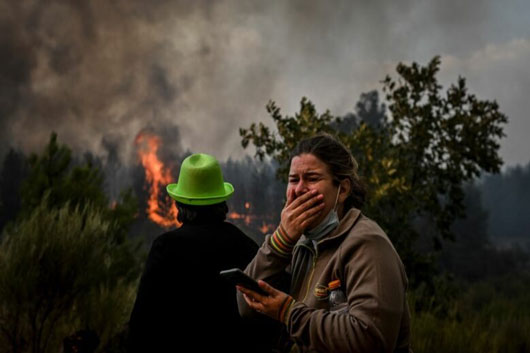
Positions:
{"x": 230, "y": 227}
{"x": 366, "y": 229}
{"x": 367, "y": 235}
{"x": 231, "y": 230}
{"x": 367, "y": 226}
{"x": 207, "y": 233}
{"x": 176, "y": 238}
{"x": 170, "y": 236}
{"x": 367, "y": 247}
{"x": 160, "y": 253}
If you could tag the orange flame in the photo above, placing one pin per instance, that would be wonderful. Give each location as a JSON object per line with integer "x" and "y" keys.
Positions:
{"x": 252, "y": 219}
{"x": 245, "y": 218}
{"x": 157, "y": 176}
{"x": 266, "y": 228}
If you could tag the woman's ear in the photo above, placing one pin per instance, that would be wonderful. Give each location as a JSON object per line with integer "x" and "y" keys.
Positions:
{"x": 345, "y": 190}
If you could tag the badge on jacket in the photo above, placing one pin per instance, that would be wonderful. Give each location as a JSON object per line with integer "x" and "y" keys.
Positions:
{"x": 321, "y": 292}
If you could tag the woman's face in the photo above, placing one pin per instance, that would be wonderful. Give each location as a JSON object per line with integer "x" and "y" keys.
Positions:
{"x": 308, "y": 173}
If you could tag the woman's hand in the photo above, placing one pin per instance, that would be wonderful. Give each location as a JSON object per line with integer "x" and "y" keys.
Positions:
{"x": 298, "y": 213}
{"x": 270, "y": 305}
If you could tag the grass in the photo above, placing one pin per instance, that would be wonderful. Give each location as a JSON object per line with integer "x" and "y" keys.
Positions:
{"x": 488, "y": 316}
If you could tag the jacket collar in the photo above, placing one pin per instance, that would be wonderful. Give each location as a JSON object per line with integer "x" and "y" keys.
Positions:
{"x": 344, "y": 226}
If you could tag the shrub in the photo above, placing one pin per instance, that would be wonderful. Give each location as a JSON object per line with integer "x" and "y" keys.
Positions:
{"x": 62, "y": 271}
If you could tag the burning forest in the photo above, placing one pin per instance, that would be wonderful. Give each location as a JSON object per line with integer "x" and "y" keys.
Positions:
{"x": 160, "y": 209}
{"x": 254, "y": 207}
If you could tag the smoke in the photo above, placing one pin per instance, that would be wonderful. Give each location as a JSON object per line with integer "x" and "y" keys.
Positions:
{"x": 91, "y": 70}
{"x": 507, "y": 198}
{"x": 99, "y": 71}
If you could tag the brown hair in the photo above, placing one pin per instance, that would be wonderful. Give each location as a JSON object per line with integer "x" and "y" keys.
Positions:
{"x": 340, "y": 162}
{"x": 202, "y": 214}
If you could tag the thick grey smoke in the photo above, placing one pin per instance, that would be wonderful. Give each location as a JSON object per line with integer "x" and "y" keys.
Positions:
{"x": 98, "y": 72}
{"x": 94, "y": 71}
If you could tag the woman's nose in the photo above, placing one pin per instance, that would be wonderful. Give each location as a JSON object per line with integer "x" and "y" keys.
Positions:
{"x": 301, "y": 188}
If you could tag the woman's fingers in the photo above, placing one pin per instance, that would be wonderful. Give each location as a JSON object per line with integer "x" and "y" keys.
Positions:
{"x": 256, "y": 296}
{"x": 295, "y": 213}
{"x": 249, "y": 301}
{"x": 313, "y": 211}
{"x": 251, "y": 294}
{"x": 269, "y": 305}
{"x": 253, "y": 299}
{"x": 253, "y": 304}
{"x": 309, "y": 205}
{"x": 267, "y": 288}
{"x": 307, "y": 200}
{"x": 307, "y": 221}
{"x": 302, "y": 199}
{"x": 290, "y": 197}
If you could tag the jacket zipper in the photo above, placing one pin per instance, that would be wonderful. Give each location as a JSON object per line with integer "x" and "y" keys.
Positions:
{"x": 315, "y": 256}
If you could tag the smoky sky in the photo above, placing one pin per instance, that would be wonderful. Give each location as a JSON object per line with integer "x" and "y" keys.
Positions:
{"x": 99, "y": 72}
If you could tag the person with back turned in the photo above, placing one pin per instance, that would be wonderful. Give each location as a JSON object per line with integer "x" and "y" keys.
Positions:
{"x": 182, "y": 304}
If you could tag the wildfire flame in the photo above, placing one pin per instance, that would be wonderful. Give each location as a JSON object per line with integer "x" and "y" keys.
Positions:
{"x": 251, "y": 219}
{"x": 245, "y": 218}
{"x": 266, "y": 228}
{"x": 157, "y": 176}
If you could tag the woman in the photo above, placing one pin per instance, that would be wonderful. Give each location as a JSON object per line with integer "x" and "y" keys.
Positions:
{"x": 322, "y": 237}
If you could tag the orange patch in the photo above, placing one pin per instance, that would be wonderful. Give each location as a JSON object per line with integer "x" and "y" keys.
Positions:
{"x": 321, "y": 292}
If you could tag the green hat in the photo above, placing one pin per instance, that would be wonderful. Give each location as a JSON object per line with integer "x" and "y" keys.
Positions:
{"x": 200, "y": 182}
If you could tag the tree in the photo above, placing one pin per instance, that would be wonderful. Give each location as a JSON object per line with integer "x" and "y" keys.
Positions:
{"x": 54, "y": 173}
{"x": 61, "y": 270}
{"x": 507, "y": 196}
{"x": 368, "y": 110}
{"x": 14, "y": 170}
{"x": 472, "y": 256}
{"x": 415, "y": 162}
{"x": 66, "y": 263}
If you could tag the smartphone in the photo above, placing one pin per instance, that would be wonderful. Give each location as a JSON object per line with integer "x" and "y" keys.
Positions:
{"x": 238, "y": 277}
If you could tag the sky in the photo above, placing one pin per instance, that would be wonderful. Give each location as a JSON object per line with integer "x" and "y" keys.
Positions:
{"x": 100, "y": 72}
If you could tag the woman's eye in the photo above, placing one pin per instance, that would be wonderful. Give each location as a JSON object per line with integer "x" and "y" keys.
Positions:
{"x": 293, "y": 180}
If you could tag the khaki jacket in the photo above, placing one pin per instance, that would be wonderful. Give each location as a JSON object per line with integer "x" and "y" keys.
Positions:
{"x": 373, "y": 278}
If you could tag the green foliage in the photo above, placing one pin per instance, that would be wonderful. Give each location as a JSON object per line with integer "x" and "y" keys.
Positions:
{"x": 61, "y": 270}
{"x": 291, "y": 130}
{"x": 493, "y": 316}
{"x": 446, "y": 139}
{"x": 414, "y": 164}
{"x": 66, "y": 263}
{"x": 13, "y": 171}
{"x": 54, "y": 173}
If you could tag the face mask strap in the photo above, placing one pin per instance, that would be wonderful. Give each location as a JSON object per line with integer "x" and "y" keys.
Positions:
{"x": 337, "y": 199}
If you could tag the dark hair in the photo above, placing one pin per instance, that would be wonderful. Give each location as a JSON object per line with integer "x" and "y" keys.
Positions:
{"x": 192, "y": 214}
{"x": 341, "y": 163}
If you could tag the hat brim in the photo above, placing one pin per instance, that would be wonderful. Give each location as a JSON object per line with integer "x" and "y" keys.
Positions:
{"x": 200, "y": 201}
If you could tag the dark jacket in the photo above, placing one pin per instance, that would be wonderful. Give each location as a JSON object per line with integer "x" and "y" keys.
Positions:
{"x": 182, "y": 303}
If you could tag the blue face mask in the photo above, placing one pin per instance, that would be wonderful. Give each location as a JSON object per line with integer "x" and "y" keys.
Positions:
{"x": 327, "y": 225}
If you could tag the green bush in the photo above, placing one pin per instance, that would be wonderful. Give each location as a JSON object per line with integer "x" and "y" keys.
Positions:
{"x": 489, "y": 316}
{"x": 62, "y": 270}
